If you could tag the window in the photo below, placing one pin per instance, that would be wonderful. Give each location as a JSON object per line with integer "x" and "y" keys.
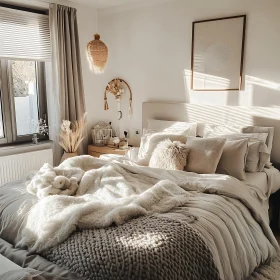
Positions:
{"x": 22, "y": 99}
{"x": 24, "y": 48}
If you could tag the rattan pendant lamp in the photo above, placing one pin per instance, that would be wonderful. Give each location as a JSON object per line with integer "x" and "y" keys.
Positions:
{"x": 97, "y": 54}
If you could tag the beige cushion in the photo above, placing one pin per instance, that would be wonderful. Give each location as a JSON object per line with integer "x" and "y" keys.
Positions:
{"x": 169, "y": 155}
{"x": 150, "y": 141}
{"x": 233, "y": 159}
{"x": 204, "y": 154}
{"x": 257, "y": 152}
{"x": 257, "y": 156}
{"x": 262, "y": 129}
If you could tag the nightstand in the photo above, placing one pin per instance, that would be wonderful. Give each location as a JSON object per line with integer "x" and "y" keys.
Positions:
{"x": 97, "y": 151}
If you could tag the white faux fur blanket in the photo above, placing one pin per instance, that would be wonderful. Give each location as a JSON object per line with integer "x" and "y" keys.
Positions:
{"x": 106, "y": 194}
{"x": 115, "y": 192}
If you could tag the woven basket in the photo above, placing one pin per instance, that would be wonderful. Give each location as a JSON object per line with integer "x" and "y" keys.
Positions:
{"x": 97, "y": 55}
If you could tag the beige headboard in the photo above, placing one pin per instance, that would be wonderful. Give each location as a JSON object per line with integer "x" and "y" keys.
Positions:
{"x": 229, "y": 115}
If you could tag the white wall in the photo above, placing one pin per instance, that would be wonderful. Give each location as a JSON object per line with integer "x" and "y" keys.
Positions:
{"x": 150, "y": 47}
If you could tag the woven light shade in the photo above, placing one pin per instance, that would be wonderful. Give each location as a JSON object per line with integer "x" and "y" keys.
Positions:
{"x": 97, "y": 55}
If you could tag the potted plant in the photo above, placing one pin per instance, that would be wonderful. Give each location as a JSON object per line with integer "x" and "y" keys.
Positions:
{"x": 71, "y": 135}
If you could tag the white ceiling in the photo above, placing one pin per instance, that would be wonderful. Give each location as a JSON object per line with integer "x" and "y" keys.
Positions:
{"x": 103, "y": 4}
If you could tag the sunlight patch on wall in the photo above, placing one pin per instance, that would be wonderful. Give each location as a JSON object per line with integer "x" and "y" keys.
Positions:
{"x": 250, "y": 80}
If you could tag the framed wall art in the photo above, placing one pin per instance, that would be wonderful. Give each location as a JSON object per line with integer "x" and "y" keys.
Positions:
{"x": 218, "y": 54}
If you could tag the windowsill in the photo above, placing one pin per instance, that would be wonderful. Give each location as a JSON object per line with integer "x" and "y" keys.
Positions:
{"x": 13, "y": 149}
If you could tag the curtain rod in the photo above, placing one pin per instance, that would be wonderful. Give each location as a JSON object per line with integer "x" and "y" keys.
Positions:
{"x": 25, "y": 9}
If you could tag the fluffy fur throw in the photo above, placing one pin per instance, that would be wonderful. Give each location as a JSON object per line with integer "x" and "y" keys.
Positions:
{"x": 169, "y": 155}
{"x": 107, "y": 194}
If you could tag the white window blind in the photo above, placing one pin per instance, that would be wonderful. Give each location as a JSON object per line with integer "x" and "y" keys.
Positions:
{"x": 24, "y": 35}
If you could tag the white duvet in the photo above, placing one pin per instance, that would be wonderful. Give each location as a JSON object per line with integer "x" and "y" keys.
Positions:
{"x": 231, "y": 218}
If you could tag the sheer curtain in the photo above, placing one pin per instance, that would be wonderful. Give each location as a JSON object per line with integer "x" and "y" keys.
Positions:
{"x": 66, "y": 97}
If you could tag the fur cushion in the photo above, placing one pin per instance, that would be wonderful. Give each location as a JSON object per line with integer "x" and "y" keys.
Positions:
{"x": 169, "y": 155}
{"x": 150, "y": 141}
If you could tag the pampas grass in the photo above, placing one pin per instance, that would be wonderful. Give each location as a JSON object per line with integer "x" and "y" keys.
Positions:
{"x": 72, "y": 134}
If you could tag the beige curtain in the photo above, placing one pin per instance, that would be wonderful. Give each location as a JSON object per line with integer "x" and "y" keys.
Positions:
{"x": 66, "y": 100}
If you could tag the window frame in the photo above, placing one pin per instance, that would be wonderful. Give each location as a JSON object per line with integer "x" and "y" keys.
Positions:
{"x": 8, "y": 106}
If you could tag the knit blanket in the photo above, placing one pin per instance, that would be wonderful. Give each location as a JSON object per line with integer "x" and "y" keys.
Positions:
{"x": 154, "y": 247}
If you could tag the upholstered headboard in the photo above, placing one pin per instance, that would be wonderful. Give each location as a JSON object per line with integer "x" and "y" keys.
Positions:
{"x": 229, "y": 115}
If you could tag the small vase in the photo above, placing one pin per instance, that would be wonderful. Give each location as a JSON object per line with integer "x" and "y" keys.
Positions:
{"x": 68, "y": 155}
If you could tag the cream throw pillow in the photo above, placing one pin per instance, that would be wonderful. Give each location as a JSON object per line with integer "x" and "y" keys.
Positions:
{"x": 150, "y": 141}
{"x": 269, "y": 140}
{"x": 257, "y": 157}
{"x": 233, "y": 159}
{"x": 204, "y": 154}
{"x": 169, "y": 155}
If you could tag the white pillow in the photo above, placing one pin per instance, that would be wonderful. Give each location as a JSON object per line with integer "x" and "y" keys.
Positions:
{"x": 237, "y": 136}
{"x": 210, "y": 131}
{"x": 132, "y": 154}
{"x": 150, "y": 141}
{"x": 167, "y": 126}
{"x": 169, "y": 131}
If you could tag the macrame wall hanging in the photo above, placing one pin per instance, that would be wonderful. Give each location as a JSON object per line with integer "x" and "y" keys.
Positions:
{"x": 116, "y": 88}
{"x": 97, "y": 53}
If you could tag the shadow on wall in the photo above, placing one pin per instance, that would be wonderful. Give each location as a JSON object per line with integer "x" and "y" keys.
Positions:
{"x": 257, "y": 91}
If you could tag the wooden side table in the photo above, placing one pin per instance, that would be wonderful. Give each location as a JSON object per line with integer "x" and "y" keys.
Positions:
{"x": 97, "y": 151}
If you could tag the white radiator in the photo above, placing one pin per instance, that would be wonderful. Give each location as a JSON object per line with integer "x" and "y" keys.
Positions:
{"x": 16, "y": 167}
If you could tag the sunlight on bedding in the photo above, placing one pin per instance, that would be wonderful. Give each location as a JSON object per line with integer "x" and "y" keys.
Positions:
{"x": 144, "y": 240}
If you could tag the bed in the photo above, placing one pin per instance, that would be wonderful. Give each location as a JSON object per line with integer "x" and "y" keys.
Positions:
{"x": 143, "y": 223}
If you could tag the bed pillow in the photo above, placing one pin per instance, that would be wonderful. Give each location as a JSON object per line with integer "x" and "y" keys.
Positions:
{"x": 204, "y": 154}
{"x": 150, "y": 141}
{"x": 249, "y": 136}
{"x": 257, "y": 157}
{"x": 262, "y": 129}
{"x": 233, "y": 159}
{"x": 210, "y": 131}
{"x": 257, "y": 152}
{"x": 187, "y": 131}
{"x": 169, "y": 155}
{"x": 167, "y": 126}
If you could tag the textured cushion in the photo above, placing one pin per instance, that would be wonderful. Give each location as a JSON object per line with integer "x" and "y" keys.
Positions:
{"x": 257, "y": 157}
{"x": 204, "y": 154}
{"x": 169, "y": 155}
{"x": 233, "y": 159}
{"x": 150, "y": 141}
{"x": 167, "y": 126}
{"x": 262, "y": 129}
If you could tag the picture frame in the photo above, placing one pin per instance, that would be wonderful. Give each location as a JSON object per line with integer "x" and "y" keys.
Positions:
{"x": 217, "y": 56}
